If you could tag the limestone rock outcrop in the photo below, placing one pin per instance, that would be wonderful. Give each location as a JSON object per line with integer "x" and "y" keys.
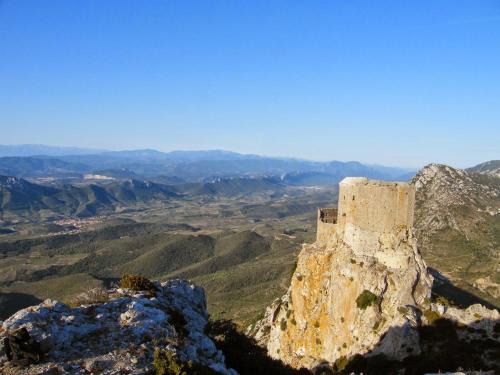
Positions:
{"x": 441, "y": 189}
{"x": 118, "y": 334}
{"x": 456, "y": 213}
{"x": 361, "y": 288}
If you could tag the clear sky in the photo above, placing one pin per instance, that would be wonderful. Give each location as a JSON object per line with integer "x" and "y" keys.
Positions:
{"x": 390, "y": 82}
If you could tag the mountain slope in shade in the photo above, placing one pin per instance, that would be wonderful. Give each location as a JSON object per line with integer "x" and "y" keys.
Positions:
{"x": 457, "y": 219}
{"x": 22, "y": 199}
{"x": 491, "y": 168}
{"x": 39, "y": 167}
{"x": 21, "y": 195}
{"x": 231, "y": 187}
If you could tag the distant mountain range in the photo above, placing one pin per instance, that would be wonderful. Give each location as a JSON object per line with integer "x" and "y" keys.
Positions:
{"x": 33, "y": 150}
{"x": 29, "y": 161}
{"x": 21, "y": 199}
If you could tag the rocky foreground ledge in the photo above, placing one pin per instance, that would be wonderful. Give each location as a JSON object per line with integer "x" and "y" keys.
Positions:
{"x": 115, "y": 331}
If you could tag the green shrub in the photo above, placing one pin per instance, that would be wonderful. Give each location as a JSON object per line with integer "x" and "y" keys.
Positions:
{"x": 340, "y": 364}
{"x": 283, "y": 324}
{"x": 431, "y": 316}
{"x": 136, "y": 282}
{"x": 403, "y": 310}
{"x": 443, "y": 301}
{"x": 366, "y": 299}
{"x": 167, "y": 363}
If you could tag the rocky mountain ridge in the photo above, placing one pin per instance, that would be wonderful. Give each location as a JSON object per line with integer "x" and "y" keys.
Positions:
{"x": 457, "y": 223}
{"x": 440, "y": 188}
{"x": 491, "y": 168}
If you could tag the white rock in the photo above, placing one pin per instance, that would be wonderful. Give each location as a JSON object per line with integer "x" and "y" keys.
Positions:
{"x": 106, "y": 333}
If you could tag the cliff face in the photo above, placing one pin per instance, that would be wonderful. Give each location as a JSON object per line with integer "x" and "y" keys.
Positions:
{"x": 340, "y": 303}
{"x": 361, "y": 288}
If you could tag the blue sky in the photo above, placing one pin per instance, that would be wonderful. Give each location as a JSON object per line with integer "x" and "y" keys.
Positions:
{"x": 390, "y": 82}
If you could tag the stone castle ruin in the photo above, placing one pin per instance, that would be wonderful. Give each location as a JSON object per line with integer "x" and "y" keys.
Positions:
{"x": 369, "y": 213}
{"x": 365, "y": 248}
{"x": 370, "y": 206}
{"x": 362, "y": 288}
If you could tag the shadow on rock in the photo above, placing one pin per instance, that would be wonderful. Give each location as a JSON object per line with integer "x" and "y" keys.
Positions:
{"x": 243, "y": 354}
{"x": 443, "y": 287}
{"x": 446, "y": 346}
{"x": 10, "y": 303}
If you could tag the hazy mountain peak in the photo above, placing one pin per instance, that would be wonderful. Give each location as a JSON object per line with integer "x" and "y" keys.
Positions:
{"x": 35, "y": 149}
{"x": 491, "y": 168}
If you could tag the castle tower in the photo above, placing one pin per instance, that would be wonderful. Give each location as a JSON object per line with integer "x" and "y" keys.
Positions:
{"x": 368, "y": 207}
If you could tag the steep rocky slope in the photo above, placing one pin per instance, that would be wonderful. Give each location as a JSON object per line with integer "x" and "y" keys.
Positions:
{"x": 362, "y": 290}
{"x": 457, "y": 222}
{"x": 113, "y": 331}
{"x": 491, "y": 167}
{"x": 319, "y": 319}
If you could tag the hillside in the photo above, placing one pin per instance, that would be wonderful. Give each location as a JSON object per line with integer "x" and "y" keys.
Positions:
{"x": 231, "y": 187}
{"x": 40, "y": 167}
{"x": 21, "y": 199}
{"x": 458, "y": 227}
{"x": 491, "y": 168}
{"x": 241, "y": 240}
{"x": 241, "y": 271}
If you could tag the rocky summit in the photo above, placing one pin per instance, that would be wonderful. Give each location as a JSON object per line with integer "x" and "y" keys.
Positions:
{"x": 363, "y": 289}
{"x": 457, "y": 225}
{"x": 114, "y": 331}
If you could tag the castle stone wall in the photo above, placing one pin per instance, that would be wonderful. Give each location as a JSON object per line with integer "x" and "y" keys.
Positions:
{"x": 375, "y": 206}
{"x": 326, "y": 224}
